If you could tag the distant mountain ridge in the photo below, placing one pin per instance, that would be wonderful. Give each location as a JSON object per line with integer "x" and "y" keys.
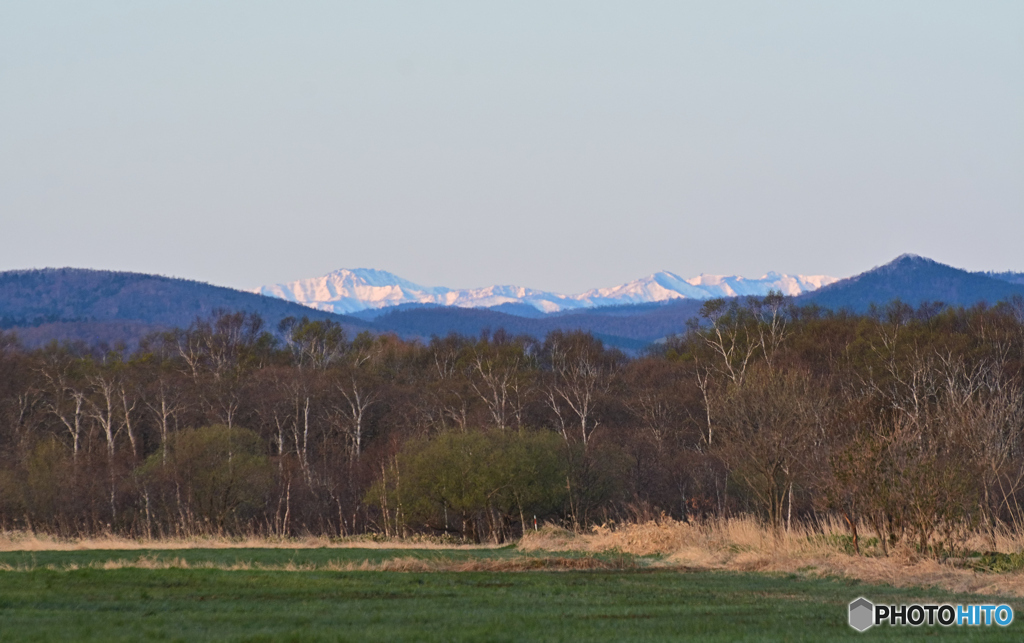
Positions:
{"x": 99, "y": 307}
{"x": 916, "y": 280}
{"x": 103, "y": 306}
{"x": 1012, "y": 277}
{"x": 351, "y": 291}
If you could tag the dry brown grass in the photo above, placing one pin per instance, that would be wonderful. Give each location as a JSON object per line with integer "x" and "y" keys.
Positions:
{"x": 737, "y": 544}
{"x": 26, "y": 541}
{"x": 402, "y": 564}
{"x": 744, "y": 545}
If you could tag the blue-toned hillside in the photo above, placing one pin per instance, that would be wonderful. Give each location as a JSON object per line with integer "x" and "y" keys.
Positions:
{"x": 914, "y": 280}
{"x": 97, "y": 306}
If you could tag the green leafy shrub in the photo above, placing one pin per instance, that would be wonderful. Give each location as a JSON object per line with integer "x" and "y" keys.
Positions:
{"x": 473, "y": 483}
{"x": 214, "y": 477}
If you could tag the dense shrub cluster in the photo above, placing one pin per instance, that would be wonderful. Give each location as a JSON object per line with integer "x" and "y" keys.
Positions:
{"x": 906, "y": 420}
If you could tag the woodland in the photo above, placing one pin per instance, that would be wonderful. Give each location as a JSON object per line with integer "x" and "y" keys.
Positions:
{"x": 905, "y": 422}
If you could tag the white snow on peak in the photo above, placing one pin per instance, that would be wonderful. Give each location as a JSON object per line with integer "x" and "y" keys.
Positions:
{"x": 349, "y": 291}
{"x": 661, "y": 286}
{"x": 733, "y": 286}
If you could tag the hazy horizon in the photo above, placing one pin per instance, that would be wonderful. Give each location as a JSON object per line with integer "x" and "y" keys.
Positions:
{"x": 560, "y": 146}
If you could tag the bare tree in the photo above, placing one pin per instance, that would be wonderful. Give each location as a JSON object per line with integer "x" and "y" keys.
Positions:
{"x": 358, "y": 386}
{"x": 772, "y": 325}
{"x": 767, "y": 430}
{"x": 65, "y": 400}
{"x": 448, "y": 393}
{"x": 578, "y": 378}
{"x": 165, "y": 403}
{"x": 497, "y": 377}
{"x": 315, "y": 344}
{"x": 733, "y": 336}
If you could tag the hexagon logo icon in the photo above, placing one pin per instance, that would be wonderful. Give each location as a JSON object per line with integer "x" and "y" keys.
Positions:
{"x": 862, "y": 614}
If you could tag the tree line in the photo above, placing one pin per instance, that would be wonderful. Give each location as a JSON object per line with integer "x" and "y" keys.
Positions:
{"x": 904, "y": 420}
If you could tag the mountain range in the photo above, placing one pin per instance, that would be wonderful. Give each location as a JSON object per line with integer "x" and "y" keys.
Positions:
{"x": 353, "y": 291}
{"x": 916, "y": 280}
{"x": 100, "y": 307}
{"x": 103, "y": 307}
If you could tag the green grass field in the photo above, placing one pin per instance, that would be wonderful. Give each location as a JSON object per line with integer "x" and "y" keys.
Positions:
{"x": 641, "y": 604}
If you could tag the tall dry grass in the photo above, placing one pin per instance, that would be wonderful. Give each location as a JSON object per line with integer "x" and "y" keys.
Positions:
{"x": 745, "y": 545}
{"x": 28, "y": 541}
{"x": 737, "y": 544}
{"x": 400, "y": 564}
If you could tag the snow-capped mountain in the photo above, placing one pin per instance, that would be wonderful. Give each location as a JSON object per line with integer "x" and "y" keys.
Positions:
{"x": 663, "y": 286}
{"x": 351, "y": 291}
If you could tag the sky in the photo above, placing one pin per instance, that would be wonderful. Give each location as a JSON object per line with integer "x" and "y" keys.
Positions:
{"x": 555, "y": 145}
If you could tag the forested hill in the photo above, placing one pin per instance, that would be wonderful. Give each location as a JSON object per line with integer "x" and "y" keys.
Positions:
{"x": 97, "y": 306}
{"x": 1012, "y": 277}
{"x": 916, "y": 280}
{"x": 100, "y": 307}
{"x": 629, "y": 328}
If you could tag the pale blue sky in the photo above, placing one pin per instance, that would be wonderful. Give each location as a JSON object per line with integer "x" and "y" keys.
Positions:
{"x": 558, "y": 145}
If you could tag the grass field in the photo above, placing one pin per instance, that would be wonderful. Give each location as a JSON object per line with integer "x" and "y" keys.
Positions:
{"x": 314, "y": 558}
{"x": 294, "y": 595}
